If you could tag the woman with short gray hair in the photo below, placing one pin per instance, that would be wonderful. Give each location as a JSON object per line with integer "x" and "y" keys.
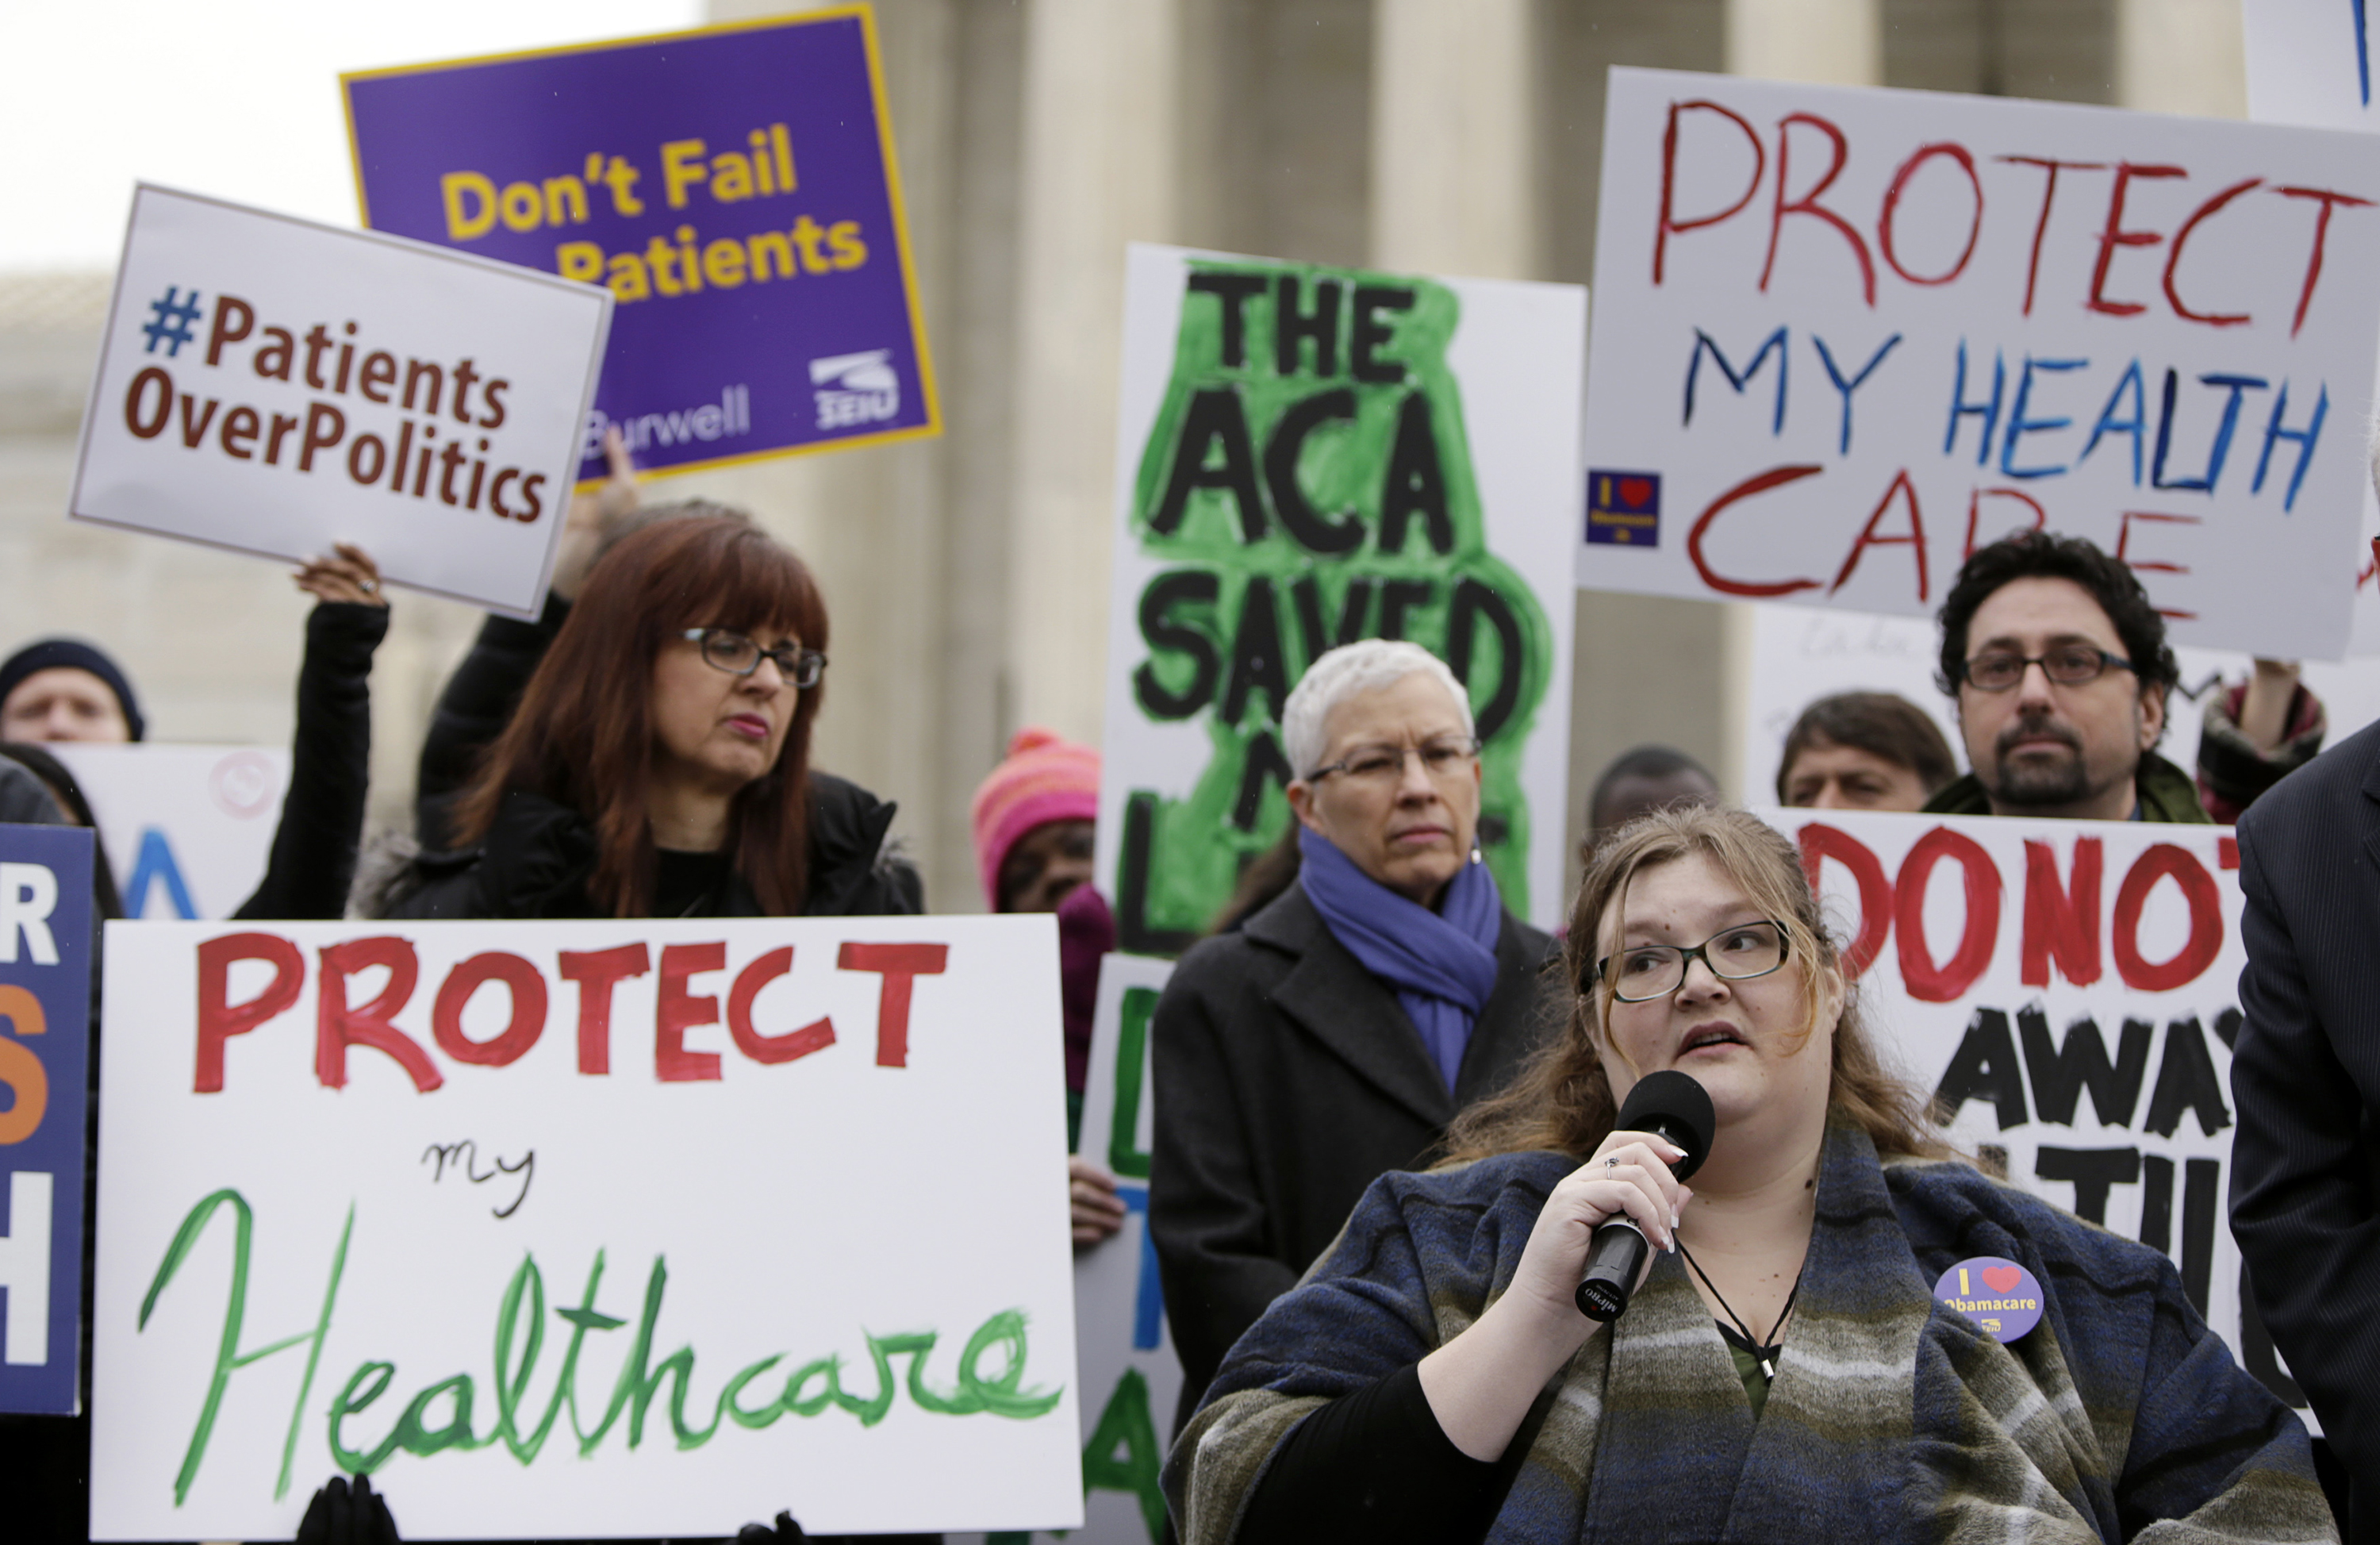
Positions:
{"x": 1333, "y": 1037}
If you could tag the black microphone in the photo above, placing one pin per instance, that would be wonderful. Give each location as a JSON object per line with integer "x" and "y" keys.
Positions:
{"x": 1673, "y": 1107}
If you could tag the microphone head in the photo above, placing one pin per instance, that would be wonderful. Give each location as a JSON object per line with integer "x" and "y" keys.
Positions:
{"x": 1672, "y": 1104}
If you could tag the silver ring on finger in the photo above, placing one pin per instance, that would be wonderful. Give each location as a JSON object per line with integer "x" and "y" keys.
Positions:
{"x": 1610, "y": 1165}
{"x": 369, "y": 587}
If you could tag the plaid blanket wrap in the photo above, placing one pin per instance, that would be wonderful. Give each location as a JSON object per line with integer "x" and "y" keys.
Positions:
{"x": 2121, "y": 1417}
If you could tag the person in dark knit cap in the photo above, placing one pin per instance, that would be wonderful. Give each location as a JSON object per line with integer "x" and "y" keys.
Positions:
{"x": 65, "y": 689}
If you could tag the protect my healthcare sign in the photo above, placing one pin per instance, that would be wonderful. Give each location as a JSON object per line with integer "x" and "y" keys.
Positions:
{"x": 563, "y": 1230}
{"x": 45, "y": 922}
{"x": 733, "y": 188}
{"x": 1846, "y": 335}
{"x": 272, "y": 386}
{"x": 1309, "y": 455}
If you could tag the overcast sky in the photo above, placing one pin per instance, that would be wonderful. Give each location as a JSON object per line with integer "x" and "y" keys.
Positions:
{"x": 234, "y": 97}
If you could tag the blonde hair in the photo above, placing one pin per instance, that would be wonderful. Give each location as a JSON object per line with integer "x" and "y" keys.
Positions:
{"x": 1561, "y": 1102}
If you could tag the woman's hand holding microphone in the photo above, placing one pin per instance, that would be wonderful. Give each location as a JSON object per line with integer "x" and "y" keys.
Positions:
{"x": 1481, "y": 1384}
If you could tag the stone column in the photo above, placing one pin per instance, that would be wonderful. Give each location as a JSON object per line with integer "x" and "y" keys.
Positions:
{"x": 1829, "y": 42}
{"x": 1454, "y": 138}
{"x": 2182, "y": 57}
{"x": 874, "y": 522}
{"x": 1099, "y": 163}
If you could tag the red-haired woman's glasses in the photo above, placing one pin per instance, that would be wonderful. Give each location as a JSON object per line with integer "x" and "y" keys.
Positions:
{"x": 739, "y": 655}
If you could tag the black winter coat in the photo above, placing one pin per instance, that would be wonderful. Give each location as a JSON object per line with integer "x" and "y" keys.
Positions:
{"x": 539, "y": 857}
{"x": 321, "y": 822}
{"x": 1287, "y": 1079}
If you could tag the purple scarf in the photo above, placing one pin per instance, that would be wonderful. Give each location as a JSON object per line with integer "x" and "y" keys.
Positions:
{"x": 1442, "y": 966}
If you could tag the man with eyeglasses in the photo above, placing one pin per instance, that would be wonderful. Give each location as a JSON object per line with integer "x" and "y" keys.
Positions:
{"x": 2061, "y": 672}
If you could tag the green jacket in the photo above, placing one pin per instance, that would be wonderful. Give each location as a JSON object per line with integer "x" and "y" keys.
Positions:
{"x": 2166, "y": 794}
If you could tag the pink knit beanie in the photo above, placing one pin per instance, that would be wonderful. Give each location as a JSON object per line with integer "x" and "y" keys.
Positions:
{"x": 1045, "y": 778}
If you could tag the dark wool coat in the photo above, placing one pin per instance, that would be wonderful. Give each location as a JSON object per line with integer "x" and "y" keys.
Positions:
{"x": 1287, "y": 1079}
{"x": 2305, "y": 1072}
{"x": 538, "y": 856}
{"x": 1893, "y": 1418}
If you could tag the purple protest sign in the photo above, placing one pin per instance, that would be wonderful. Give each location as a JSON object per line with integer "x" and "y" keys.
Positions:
{"x": 734, "y": 187}
{"x": 45, "y": 926}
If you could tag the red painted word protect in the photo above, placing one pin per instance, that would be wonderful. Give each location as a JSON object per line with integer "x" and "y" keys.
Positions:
{"x": 340, "y": 1024}
{"x": 1800, "y": 196}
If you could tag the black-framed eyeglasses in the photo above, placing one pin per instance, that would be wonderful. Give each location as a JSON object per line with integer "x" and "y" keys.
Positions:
{"x": 1441, "y": 758}
{"x": 1998, "y": 670}
{"x": 1738, "y": 954}
{"x": 737, "y": 655}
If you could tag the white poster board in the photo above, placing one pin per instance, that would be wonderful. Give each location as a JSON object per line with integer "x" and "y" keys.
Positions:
{"x": 187, "y": 829}
{"x": 1845, "y": 336}
{"x": 1307, "y": 456}
{"x": 777, "y": 1223}
{"x": 271, "y": 385}
{"x": 1123, "y": 1344}
{"x": 2071, "y": 989}
{"x": 2310, "y": 62}
{"x": 1799, "y": 654}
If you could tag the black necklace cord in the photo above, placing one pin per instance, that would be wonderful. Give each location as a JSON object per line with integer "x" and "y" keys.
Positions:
{"x": 1767, "y": 1364}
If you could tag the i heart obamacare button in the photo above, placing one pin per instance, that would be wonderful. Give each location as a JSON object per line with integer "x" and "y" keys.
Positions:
{"x": 1999, "y": 1295}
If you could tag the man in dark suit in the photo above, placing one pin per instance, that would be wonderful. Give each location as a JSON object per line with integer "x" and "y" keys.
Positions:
{"x": 2305, "y": 1074}
{"x": 1335, "y": 1034}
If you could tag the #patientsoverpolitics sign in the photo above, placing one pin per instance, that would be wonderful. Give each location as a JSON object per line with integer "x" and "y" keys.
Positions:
{"x": 734, "y": 187}
{"x": 1305, "y": 457}
{"x": 45, "y": 920}
{"x": 584, "y": 1229}
{"x": 271, "y": 385}
{"x": 1846, "y": 335}
{"x": 2069, "y": 990}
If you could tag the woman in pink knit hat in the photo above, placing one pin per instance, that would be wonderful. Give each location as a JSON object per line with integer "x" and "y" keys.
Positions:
{"x": 1033, "y": 831}
{"x": 1033, "y": 821}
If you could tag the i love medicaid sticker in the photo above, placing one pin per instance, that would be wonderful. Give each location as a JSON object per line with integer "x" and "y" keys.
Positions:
{"x": 1999, "y": 1295}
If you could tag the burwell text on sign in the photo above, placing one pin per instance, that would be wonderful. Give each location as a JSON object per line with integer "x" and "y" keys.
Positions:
{"x": 734, "y": 188}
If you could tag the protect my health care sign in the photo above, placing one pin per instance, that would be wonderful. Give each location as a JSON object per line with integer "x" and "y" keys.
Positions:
{"x": 735, "y": 187}
{"x": 1844, "y": 336}
{"x": 274, "y": 386}
{"x": 1309, "y": 455}
{"x": 565, "y": 1230}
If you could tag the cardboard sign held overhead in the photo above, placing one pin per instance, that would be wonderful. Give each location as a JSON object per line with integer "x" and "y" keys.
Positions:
{"x": 1848, "y": 336}
{"x": 45, "y": 922}
{"x": 584, "y": 1229}
{"x": 274, "y": 386}
{"x": 1307, "y": 456}
{"x": 734, "y": 187}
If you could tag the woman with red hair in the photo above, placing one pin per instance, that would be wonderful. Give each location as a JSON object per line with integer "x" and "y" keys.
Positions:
{"x": 658, "y": 762}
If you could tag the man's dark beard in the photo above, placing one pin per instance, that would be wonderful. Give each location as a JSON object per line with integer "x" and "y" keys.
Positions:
{"x": 2033, "y": 781}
